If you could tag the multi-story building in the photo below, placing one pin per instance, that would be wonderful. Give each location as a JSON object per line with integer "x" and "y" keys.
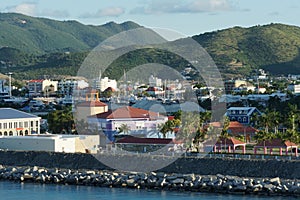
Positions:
{"x": 39, "y": 87}
{"x": 230, "y": 85}
{"x": 242, "y": 114}
{"x": 67, "y": 86}
{"x": 17, "y": 123}
{"x": 154, "y": 81}
{"x": 105, "y": 83}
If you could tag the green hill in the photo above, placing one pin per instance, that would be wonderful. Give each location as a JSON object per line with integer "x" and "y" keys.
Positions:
{"x": 41, "y": 35}
{"x": 274, "y": 47}
{"x": 31, "y": 47}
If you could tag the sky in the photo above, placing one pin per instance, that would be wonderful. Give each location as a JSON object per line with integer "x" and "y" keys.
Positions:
{"x": 188, "y": 17}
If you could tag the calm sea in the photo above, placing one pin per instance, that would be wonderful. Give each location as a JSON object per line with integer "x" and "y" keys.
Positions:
{"x": 30, "y": 191}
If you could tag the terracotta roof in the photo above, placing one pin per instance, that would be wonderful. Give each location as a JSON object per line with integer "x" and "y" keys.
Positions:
{"x": 230, "y": 141}
{"x": 136, "y": 140}
{"x": 91, "y": 104}
{"x": 276, "y": 143}
{"x": 127, "y": 112}
{"x": 235, "y": 127}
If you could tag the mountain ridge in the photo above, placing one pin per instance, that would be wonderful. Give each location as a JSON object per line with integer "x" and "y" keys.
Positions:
{"x": 32, "y": 46}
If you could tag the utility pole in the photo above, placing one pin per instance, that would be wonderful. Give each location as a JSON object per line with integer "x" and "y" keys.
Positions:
{"x": 9, "y": 74}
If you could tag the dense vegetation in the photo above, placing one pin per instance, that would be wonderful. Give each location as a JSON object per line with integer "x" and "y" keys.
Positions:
{"x": 274, "y": 47}
{"x": 31, "y": 47}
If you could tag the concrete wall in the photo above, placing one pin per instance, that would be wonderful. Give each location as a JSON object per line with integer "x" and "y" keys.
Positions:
{"x": 204, "y": 166}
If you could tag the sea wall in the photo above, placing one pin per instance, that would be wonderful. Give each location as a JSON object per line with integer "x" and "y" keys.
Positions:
{"x": 288, "y": 169}
{"x": 162, "y": 181}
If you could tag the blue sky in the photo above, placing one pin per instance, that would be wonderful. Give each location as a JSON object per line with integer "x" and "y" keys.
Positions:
{"x": 185, "y": 16}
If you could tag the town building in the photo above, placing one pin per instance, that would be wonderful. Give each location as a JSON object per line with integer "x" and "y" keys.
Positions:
{"x": 242, "y": 114}
{"x": 4, "y": 89}
{"x": 91, "y": 106}
{"x": 295, "y": 89}
{"x": 52, "y": 143}
{"x": 134, "y": 118}
{"x": 17, "y": 123}
{"x": 40, "y": 86}
{"x": 155, "y": 81}
{"x": 104, "y": 83}
{"x": 230, "y": 85}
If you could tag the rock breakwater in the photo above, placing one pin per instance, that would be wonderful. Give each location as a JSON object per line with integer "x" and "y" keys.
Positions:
{"x": 154, "y": 180}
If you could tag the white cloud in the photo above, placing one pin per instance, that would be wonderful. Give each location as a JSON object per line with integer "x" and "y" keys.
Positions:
{"x": 23, "y": 8}
{"x": 31, "y": 9}
{"x": 180, "y": 6}
{"x": 106, "y": 12}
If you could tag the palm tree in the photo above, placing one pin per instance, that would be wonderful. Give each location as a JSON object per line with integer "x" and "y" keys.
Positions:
{"x": 124, "y": 128}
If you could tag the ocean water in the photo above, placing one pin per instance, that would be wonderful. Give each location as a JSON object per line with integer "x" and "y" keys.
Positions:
{"x": 31, "y": 191}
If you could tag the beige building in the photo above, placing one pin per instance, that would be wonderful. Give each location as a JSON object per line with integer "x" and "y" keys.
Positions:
{"x": 17, "y": 123}
{"x": 52, "y": 143}
{"x": 91, "y": 106}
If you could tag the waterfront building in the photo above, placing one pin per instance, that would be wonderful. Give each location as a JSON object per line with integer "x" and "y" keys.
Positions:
{"x": 52, "y": 143}
{"x": 17, "y": 123}
{"x": 137, "y": 120}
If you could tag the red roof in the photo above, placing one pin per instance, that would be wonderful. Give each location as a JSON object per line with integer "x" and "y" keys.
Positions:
{"x": 276, "y": 143}
{"x": 127, "y": 112}
{"x": 229, "y": 141}
{"x": 136, "y": 140}
{"x": 91, "y": 104}
{"x": 235, "y": 127}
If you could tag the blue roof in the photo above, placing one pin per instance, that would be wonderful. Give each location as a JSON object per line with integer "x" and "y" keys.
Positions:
{"x": 10, "y": 113}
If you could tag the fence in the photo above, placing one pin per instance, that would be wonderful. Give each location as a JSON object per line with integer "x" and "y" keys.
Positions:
{"x": 166, "y": 154}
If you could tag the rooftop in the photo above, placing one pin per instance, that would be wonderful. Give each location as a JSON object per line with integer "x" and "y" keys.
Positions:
{"x": 10, "y": 113}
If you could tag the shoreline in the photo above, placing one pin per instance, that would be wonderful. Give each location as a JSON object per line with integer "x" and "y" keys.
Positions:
{"x": 223, "y": 184}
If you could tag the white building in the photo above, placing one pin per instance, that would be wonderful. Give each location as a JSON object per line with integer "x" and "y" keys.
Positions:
{"x": 154, "y": 81}
{"x": 17, "y": 123}
{"x": 37, "y": 87}
{"x": 105, "y": 83}
{"x": 295, "y": 89}
{"x": 52, "y": 143}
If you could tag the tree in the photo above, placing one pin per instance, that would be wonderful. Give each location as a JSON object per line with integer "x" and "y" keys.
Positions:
{"x": 61, "y": 121}
{"x": 168, "y": 126}
{"x": 124, "y": 128}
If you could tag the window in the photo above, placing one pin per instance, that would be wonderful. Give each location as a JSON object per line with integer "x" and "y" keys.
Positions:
{"x": 20, "y": 124}
{"x": 5, "y": 126}
{"x": 15, "y": 124}
{"x": 0, "y": 125}
{"x": 25, "y": 124}
{"x": 244, "y": 119}
{"x": 31, "y": 123}
{"x": 10, "y": 124}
